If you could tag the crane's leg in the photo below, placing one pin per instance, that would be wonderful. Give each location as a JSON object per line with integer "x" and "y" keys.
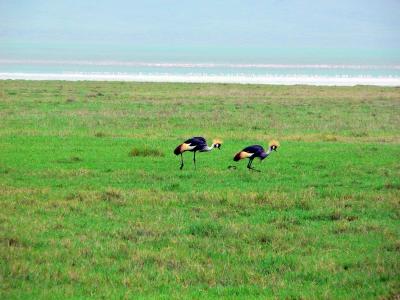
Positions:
{"x": 249, "y": 164}
{"x": 250, "y": 167}
{"x": 194, "y": 159}
{"x": 181, "y": 162}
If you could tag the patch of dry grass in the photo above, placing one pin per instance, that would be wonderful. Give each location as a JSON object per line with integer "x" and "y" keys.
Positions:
{"x": 146, "y": 152}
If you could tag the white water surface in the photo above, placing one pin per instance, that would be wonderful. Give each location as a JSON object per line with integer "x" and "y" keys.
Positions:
{"x": 207, "y": 78}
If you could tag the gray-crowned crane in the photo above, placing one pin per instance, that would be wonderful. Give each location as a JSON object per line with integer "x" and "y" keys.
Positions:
{"x": 251, "y": 152}
{"x": 195, "y": 144}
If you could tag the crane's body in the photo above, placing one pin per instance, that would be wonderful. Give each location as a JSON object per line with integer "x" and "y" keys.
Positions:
{"x": 195, "y": 144}
{"x": 254, "y": 151}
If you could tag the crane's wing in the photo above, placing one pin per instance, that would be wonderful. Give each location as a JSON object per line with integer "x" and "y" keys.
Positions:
{"x": 254, "y": 149}
{"x": 196, "y": 141}
{"x": 200, "y": 138}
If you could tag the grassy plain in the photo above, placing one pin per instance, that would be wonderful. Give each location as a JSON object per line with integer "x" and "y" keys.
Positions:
{"x": 93, "y": 203}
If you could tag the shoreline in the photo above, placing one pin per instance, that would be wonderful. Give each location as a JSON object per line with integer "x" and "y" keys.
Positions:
{"x": 183, "y": 65}
{"x": 198, "y": 78}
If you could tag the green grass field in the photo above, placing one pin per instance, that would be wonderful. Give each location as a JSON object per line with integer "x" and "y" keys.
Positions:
{"x": 93, "y": 203}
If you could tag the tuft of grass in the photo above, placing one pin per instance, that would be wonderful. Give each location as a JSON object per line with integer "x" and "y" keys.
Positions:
{"x": 277, "y": 264}
{"x": 111, "y": 194}
{"x": 99, "y": 134}
{"x": 359, "y": 134}
{"x": 329, "y": 138}
{"x": 146, "y": 152}
{"x": 5, "y": 170}
{"x": 204, "y": 229}
{"x": 94, "y": 94}
{"x": 11, "y": 242}
{"x": 72, "y": 159}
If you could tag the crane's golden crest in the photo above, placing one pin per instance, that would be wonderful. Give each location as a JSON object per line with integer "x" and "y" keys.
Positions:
{"x": 274, "y": 143}
{"x": 217, "y": 141}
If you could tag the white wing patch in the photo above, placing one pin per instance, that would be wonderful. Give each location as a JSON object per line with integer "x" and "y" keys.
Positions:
{"x": 245, "y": 154}
{"x": 187, "y": 147}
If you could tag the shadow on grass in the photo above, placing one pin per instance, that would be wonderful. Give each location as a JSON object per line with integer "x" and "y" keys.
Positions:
{"x": 70, "y": 160}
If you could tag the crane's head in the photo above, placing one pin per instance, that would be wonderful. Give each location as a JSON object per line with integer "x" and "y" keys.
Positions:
{"x": 217, "y": 143}
{"x": 273, "y": 145}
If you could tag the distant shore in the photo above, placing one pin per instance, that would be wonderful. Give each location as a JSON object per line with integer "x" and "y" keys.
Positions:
{"x": 207, "y": 78}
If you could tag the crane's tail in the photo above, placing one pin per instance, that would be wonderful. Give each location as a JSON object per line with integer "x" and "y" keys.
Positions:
{"x": 238, "y": 156}
{"x": 242, "y": 154}
{"x": 178, "y": 150}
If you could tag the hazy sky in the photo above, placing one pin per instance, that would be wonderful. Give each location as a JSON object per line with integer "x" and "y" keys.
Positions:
{"x": 284, "y": 25}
